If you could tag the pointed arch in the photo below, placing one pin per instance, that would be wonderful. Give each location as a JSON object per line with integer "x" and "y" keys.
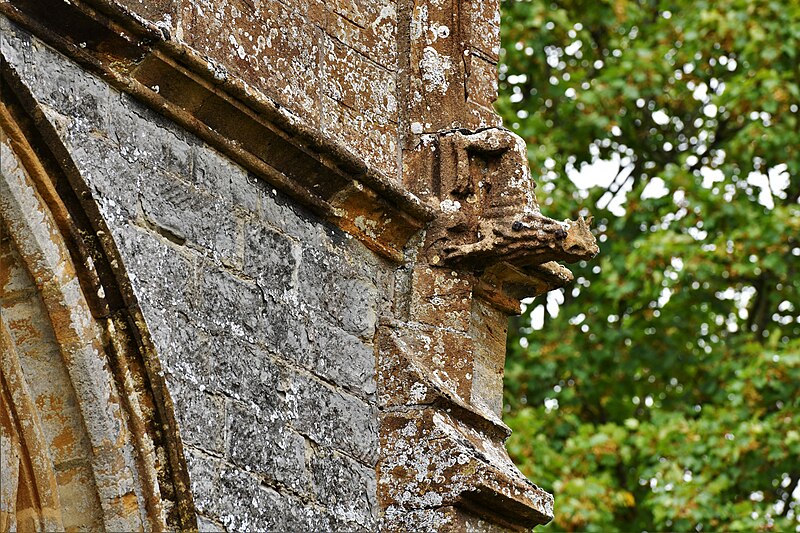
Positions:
{"x": 87, "y": 428}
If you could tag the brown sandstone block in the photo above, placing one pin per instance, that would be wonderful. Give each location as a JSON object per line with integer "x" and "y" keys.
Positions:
{"x": 483, "y": 18}
{"x": 441, "y": 297}
{"x": 274, "y": 49}
{"x": 357, "y": 82}
{"x": 436, "y": 92}
{"x": 314, "y": 11}
{"x": 481, "y": 80}
{"x": 372, "y": 138}
{"x": 369, "y": 27}
{"x": 416, "y": 362}
{"x": 489, "y": 330}
{"x": 156, "y": 11}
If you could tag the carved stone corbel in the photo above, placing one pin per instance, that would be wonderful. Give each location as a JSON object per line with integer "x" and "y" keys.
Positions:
{"x": 490, "y": 216}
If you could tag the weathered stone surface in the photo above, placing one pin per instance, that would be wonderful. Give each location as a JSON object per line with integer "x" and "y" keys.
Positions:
{"x": 372, "y": 136}
{"x": 270, "y": 258}
{"x": 484, "y": 26}
{"x": 443, "y": 461}
{"x": 245, "y": 505}
{"x": 260, "y": 442}
{"x": 215, "y": 174}
{"x": 204, "y": 473}
{"x": 438, "y": 75}
{"x": 223, "y": 297}
{"x": 233, "y": 283}
{"x": 201, "y": 416}
{"x": 244, "y": 372}
{"x": 354, "y": 307}
{"x": 331, "y": 346}
{"x": 270, "y": 47}
{"x": 481, "y": 90}
{"x": 268, "y": 322}
{"x": 144, "y": 136}
{"x": 357, "y": 82}
{"x": 352, "y": 500}
{"x": 333, "y": 419}
{"x": 489, "y": 328}
{"x": 187, "y": 214}
{"x": 163, "y": 271}
{"x": 441, "y": 290}
{"x": 370, "y": 27}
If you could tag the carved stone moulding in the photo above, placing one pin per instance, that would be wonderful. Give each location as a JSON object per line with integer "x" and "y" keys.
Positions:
{"x": 143, "y": 60}
{"x": 87, "y": 433}
{"x": 442, "y": 444}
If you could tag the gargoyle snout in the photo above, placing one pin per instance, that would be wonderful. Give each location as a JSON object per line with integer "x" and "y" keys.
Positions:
{"x": 579, "y": 241}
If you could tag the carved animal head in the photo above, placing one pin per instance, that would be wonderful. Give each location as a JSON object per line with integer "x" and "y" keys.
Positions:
{"x": 489, "y": 210}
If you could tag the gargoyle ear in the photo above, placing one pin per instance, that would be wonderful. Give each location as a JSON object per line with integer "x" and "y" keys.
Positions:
{"x": 589, "y": 220}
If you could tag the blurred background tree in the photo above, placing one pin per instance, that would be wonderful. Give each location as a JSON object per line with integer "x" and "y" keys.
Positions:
{"x": 660, "y": 391}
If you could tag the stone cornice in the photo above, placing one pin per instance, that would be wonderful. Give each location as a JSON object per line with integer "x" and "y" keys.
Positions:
{"x": 142, "y": 59}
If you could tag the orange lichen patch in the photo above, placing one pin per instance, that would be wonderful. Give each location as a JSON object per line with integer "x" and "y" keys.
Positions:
{"x": 50, "y": 402}
{"x": 24, "y": 330}
{"x": 64, "y": 439}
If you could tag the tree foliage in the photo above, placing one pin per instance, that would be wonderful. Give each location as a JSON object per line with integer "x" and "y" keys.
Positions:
{"x": 660, "y": 391}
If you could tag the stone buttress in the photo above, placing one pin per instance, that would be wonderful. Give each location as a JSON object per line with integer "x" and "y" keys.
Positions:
{"x": 266, "y": 252}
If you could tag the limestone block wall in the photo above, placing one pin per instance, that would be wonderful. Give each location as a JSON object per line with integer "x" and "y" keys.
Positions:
{"x": 263, "y": 316}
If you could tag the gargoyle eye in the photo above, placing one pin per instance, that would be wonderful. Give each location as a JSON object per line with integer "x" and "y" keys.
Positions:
{"x": 561, "y": 234}
{"x": 516, "y": 226}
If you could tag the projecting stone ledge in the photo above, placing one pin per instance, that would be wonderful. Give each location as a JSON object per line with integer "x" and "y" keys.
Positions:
{"x": 433, "y": 460}
{"x": 442, "y": 447}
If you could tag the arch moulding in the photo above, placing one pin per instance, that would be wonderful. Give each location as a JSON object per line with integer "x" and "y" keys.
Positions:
{"x": 87, "y": 432}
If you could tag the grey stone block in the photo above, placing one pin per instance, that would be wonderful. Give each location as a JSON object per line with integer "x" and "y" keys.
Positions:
{"x": 342, "y": 358}
{"x": 333, "y": 418}
{"x": 204, "y": 479}
{"x": 277, "y": 210}
{"x": 113, "y": 180}
{"x": 265, "y": 445}
{"x": 270, "y": 258}
{"x": 246, "y": 506}
{"x": 200, "y": 415}
{"x": 189, "y": 214}
{"x": 245, "y": 372}
{"x": 348, "y": 300}
{"x": 228, "y": 303}
{"x": 305, "y": 338}
{"x": 149, "y": 139}
{"x": 162, "y": 277}
{"x": 181, "y": 346}
{"x": 206, "y": 525}
{"x": 347, "y": 489}
{"x": 59, "y": 83}
{"x": 286, "y": 332}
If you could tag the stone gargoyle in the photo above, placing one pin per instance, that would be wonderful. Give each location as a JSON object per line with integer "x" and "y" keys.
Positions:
{"x": 489, "y": 213}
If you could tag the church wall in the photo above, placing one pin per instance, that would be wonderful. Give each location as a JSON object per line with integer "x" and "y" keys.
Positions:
{"x": 263, "y": 316}
{"x": 331, "y": 64}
